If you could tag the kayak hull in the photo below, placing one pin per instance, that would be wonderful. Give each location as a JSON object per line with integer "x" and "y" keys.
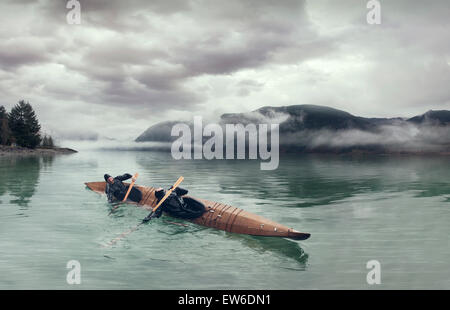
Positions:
{"x": 221, "y": 216}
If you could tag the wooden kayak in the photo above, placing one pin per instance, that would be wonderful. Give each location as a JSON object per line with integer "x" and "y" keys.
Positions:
{"x": 221, "y": 216}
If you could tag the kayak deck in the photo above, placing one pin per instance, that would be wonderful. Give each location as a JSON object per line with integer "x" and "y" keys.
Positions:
{"x": 221, "y": 216}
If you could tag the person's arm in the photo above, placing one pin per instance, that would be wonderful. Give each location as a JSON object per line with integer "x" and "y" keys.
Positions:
{"x": 124, "y": 177}
{"x": 109, "y": 193}
{"x": 156, "y": 214}
{"x": 159, "y": 211}
{"x": 159, "y": 193}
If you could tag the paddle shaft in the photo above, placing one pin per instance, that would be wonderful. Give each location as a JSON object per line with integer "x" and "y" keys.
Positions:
{"x": 131, "y": 186}
{"x": 180, "y": 179}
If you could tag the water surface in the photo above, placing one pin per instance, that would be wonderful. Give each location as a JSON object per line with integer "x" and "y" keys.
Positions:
{"x": 392, "y": 209}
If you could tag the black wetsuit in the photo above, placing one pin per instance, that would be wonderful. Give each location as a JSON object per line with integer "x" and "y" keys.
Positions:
{"x": 118, "y": 190}
{"x": 177, "y": 206}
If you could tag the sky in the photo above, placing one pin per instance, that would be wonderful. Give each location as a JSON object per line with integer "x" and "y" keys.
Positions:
{"x": 130, "y": 64}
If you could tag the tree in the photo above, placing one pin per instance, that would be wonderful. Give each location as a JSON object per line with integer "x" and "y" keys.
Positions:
{"x": 3, "y": 113}
{"x": 44, "y": 141}
{"x": 24, "y": 125}
{"x": 47, "y": 142}
{"x": 5, "y": 132}
{"x": 50, "y": 142}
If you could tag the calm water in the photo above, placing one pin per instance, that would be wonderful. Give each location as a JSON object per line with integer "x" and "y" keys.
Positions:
{"x": 395, "y": 210}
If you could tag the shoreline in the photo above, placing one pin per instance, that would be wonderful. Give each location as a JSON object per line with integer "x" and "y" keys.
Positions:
{"x": 8, "y": 150}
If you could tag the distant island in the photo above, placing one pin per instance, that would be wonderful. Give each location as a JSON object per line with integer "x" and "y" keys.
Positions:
{"x": 20, "y": 133}
{"x": 17, "y": 150}
{"x": 321, "y": 129}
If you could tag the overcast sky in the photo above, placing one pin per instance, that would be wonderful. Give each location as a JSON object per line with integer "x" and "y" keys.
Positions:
{"x": 130, "y": 64}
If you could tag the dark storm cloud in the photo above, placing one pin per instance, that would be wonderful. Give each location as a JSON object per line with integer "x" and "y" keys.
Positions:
{"x": 145, "y": 52}
{"x": 15, "y": 54}
{"x": 170, "y": 56}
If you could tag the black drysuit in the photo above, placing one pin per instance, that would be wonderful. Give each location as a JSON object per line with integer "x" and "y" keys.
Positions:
{"x": 177, "y": 206}
{"x": 118, "y": 190}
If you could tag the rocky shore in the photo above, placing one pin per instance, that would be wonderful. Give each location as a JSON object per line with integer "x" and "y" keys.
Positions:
{"x": 17, "y": 150}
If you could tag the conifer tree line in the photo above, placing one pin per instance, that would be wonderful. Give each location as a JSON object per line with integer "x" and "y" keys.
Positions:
{"x": 21, "y": 127}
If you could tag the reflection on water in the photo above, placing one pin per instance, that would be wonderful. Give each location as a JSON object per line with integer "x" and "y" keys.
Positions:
{"x": 394, "y": 209}
{"x": 282, "y": 247}
{"x": 303, "y": 181}
{"x": 314, "y": 180}
{"x": 20, "y": 176}
{"x": 47, "y": 161}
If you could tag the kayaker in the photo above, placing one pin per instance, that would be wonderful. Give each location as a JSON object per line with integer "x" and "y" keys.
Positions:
{"x": 116, "y": 190}
{"x": 175, "y": 205}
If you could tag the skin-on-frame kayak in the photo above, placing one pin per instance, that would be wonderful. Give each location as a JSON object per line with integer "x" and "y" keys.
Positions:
{"x": 220, "y": 216}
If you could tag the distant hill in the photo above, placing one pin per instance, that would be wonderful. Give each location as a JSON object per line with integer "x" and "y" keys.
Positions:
{"x": 441, "y": 117}
{"x": 320, "y": 128}
{"x": 159, "y": 132}
{"x": 306, "y": 117}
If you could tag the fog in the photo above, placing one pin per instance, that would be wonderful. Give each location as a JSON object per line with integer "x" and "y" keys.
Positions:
{"x": 402, "y": 138}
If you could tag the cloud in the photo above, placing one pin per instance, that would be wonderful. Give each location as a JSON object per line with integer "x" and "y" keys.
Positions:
{"x": 144, "y": 61}
{"x": 393, "y": 138}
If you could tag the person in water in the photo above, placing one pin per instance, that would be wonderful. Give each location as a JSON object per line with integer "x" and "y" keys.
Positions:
{"x": 176, "y": 205}
{"x": 116, "y": 190}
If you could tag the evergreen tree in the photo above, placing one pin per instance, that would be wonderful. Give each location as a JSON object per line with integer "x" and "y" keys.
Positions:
{"x": 51, "y": 144}
{"x": 5, "y": 132}
{"x": 47, "y": 142}
{"x": 3, "y": 113}
{"x": 24, "y": 125}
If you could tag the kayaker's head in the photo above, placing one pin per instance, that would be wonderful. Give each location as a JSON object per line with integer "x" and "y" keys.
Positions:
{"x": 109, "y": 178}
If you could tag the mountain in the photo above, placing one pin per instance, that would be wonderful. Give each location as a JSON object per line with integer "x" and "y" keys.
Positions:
{"x": 441, "y": 117}
{"x": 307, "y": 128}
{"x": 306, "y": 117}
{"x": 159, "y": 132}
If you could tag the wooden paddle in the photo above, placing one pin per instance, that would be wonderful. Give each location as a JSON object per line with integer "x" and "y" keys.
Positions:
{"x": 125, "y": 234}
{"x": 131, "y": 186}
{"x": 180, "y": 179}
